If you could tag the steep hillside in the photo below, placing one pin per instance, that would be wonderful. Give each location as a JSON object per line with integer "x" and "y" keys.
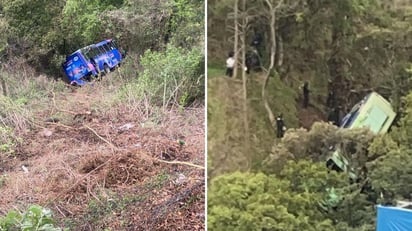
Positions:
{"x": 125, "y": 152}
{"x": 103, "y": 165}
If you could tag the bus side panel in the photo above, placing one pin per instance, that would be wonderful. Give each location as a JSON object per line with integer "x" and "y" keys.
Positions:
{"x": 117, "y": 56}
{"x": 111, "y": 58}
{"x": 100, "y": 61}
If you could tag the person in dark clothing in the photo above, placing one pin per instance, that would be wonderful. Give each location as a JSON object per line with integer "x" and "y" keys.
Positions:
{"x": 252, "y": 61}
{"x": 334, "y": 116}
{"x": 305, "y": 94}
{"x": 257, "y": 40}
{"x": 330, "y": 101}
{"x": 280, "y": 126}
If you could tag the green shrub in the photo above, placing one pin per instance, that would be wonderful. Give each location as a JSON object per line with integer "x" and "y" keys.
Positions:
{"x": 187, "y": 23}
{"x": 174, "y": 76}
{"x": 7, "y": 140}
{"x": 36, "y": 218}
{"x": 130, "y": 67}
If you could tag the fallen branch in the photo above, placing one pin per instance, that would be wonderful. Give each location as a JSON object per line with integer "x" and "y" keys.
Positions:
{"x": 180, "y": 162}
{"x": 163, "y": 161}
{"x": 62, "y": 125}
{"x": 59, "y": 109}
{"x": 108, "y": 142}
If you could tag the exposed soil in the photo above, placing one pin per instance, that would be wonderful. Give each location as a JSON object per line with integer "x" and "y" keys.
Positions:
{"x": 110, "y": 170}
{"x": 308, "y": 116}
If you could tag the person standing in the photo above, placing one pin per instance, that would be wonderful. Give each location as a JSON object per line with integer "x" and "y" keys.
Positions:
{"x": 305, "y": 94}
{"x": 280, "y": 126}
{"x": 230, "y": 63}
{"x": 334, "y": 116}
{"x": 331, "y": 101}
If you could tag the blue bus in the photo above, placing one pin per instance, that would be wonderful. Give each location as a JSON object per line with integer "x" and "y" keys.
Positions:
{"x": 92, "y": 60}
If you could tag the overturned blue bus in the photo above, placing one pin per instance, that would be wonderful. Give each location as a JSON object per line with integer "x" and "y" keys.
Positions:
{"x": 92, "y": 60}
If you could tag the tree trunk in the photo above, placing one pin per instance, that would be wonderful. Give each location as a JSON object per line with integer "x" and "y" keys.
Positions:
{"x": 244, "y": 77}
{"x": 272, "y": 62}
{"x": 236, "y": 43}
{"x": 279, "y": 52}
{"x": 3, "y": 85}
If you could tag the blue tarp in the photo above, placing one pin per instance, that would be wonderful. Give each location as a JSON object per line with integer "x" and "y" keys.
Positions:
{"x": 394, "y": 219}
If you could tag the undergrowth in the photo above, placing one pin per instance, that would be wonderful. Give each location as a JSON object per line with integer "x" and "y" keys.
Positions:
{"x": 174, "y": 76}
{"x": 35, "y": 218}
{"x": 31, "y": 101}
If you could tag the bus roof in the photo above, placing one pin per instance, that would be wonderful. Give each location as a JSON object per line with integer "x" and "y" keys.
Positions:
{"x": 103, "y": 42}
{"x": 92, "y": 45}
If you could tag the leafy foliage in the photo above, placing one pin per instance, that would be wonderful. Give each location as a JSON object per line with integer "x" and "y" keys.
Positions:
{"x": 186, "y": 25}
{"x": 396, "y": 164}
{"x": 248, "y": 201}
{"x": 402, "y": 134}
{"x": 46, "y": 31}
{"x": 174, "y": 76}
{"x": 36, "y": 218}
{"x": 332, "y": 199}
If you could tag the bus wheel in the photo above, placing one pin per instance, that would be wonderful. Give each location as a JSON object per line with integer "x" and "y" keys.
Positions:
{"x": 106, "y": 69}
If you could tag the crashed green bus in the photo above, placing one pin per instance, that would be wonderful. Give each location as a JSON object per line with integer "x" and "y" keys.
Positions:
{"x": 374, "y": 112}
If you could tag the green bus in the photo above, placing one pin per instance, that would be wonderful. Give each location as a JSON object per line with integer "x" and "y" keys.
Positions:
{"x": 374, "y": 112}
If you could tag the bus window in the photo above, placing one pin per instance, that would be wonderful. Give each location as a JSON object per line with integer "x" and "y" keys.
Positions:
{"x": 114, "y": 44}
{"x": 107, "y": 47}
{"x": 94, "y": 52}
{"x": 333, "y": 166}
{"x": 85, "y": 52}
{"x": 101, "y": 50}
{"x": 376, "y": 119}
{"x": 347, "y": 122}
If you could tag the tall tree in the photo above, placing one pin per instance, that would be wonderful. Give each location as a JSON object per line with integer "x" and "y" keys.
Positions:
{"x": 275, "y": 9}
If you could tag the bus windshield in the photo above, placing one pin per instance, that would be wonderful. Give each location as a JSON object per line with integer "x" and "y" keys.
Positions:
{"x": 348, "y": 121}
{"x": 113, "y": 44}
{"x": 352, "y": 115}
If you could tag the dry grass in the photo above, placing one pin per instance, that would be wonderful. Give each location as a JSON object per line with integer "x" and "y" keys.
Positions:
{"x": 101, "y": 152}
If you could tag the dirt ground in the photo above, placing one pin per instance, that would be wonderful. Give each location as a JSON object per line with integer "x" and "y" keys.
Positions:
{"x": 118, "y": 169}
{"x": 308, "y": 116}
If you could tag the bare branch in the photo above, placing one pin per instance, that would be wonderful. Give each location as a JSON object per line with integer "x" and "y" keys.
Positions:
{"x": 182, "y": 163}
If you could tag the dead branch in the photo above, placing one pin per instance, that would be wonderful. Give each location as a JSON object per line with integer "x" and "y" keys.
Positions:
{"x": 59, "y": 109}
{"x": 62, "y": 125}
{"x": 100, "y": 137}
{"x": 180, "y": 162}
